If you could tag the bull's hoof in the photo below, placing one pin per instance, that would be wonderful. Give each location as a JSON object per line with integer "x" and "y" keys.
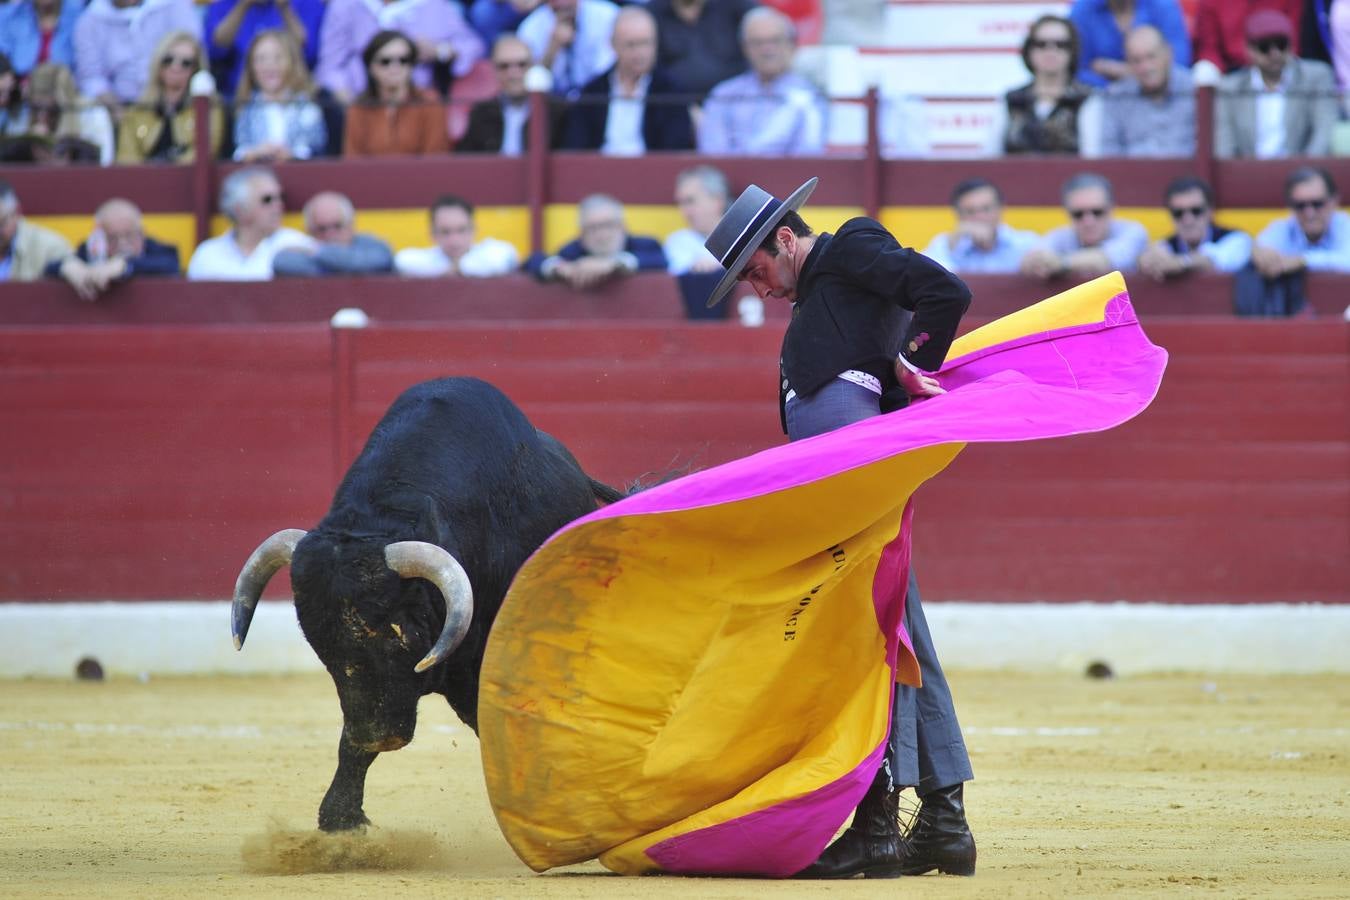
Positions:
{"x": 346, "y": 821}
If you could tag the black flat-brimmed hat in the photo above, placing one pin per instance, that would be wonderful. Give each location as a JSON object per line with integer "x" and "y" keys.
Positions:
{"x": 744, "y": 226}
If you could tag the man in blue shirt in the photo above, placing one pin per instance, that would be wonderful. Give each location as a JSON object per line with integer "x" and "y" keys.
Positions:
{"x": 1095, "y": 242}
{"x": 981, "y": 244}
{"x": 1197, "y": 245}
{"x": 1316, "y": 237}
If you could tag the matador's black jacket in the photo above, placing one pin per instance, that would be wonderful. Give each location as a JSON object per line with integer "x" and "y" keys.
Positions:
{"x": 855, "y": 296}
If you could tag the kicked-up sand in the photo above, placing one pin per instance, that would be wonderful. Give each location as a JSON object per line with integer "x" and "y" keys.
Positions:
{"x": 1143, "y": 786}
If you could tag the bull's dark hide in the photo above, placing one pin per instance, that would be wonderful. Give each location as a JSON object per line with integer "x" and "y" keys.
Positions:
{"x": 453, "y": 463}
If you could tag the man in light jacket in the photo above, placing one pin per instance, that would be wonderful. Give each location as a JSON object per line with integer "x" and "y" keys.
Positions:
{"x": 1280, "y": 105}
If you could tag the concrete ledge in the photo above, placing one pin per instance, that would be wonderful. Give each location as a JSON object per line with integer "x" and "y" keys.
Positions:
{"x": 162, "y": 638}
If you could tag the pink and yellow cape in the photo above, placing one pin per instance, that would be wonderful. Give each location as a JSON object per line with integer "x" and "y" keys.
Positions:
{"x": 698, "y": 679}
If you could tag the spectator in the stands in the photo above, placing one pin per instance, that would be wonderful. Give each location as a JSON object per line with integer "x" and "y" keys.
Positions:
{"x": 981, "y": 243}
{"x": 1095, "y": 242}
{"x": 698, "y": 43}
{"x": 25, "y": 249}
{"x": 702, "y": 195}
{"x": 572, "y": 39}
{"x": 634, "y": 107}
{"x": 458, "y": 251}
{"x": 1219, "y": 33}
{"x": 1280, "y": 105}
{"x": 33, "y": 32}
{"x": 57, "y": 113}
{"x": 252, "y": 200}
{"x": 161, "y": 126}
{"x": 443, "y": 44}
{"x": 393, "y": 116}
{"x": 117, "y": 249}
{"x": 118, "y": 43}
{"x": 604, "y": 251}
{"x": 1044, "y": 116}
{"x": 1151, "y": 111}
{"x": 1314, "y": 236}
{"x": 276, "y": 118}
{"x": 330, "y": 219}
{"x": 1198, "y": 244}
{"x": 770, "y": 110}
{"x": 13, "y": 111}
{"x": 232, "y": 25}
{"x": 1103, "y": 24}
{"x": 501, "y": 124}
{"x": 494, "y": 18}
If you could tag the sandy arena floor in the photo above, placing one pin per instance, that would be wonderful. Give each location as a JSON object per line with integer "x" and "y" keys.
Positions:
{"x": 1143, "y": 786}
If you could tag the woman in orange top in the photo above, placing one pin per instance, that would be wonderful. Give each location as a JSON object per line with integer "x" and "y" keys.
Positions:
{"x": 391, "y": 116}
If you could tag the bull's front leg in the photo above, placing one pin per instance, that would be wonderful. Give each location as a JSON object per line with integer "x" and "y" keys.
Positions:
{"x": 341, "y": 807}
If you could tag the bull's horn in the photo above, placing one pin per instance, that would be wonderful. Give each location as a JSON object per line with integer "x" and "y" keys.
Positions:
{"x": 419, "y": 559}
{"x": 271, "y": 555}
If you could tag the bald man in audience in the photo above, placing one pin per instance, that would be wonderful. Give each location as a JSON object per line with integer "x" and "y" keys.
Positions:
{"x": 115, "y": 250}
{"x": 330, "y": 219}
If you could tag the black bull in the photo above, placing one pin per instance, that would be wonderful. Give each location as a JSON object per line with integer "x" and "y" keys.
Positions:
{"x": 453, "y": 491}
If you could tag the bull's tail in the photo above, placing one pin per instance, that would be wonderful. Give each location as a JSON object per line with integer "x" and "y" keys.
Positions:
{"x": 604, "y": 493}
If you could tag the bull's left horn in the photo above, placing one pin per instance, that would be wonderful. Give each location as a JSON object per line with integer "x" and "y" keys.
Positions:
{"x": 419, "y": 559}
{"x": 271, "y": 555}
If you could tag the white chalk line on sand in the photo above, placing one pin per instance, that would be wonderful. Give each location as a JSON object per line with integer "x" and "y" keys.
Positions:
{"x": 230, "y": 732}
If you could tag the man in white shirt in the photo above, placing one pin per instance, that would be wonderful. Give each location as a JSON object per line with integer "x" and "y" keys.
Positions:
{"x": 572, "y": 39}
{"x": 456, "y": 252}
{"x": 251, "y": 197}
{"x": 770, "y": 110}
{"x": 702, "y": 194}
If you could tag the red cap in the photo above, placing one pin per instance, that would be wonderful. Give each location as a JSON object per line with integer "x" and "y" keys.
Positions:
{"x": 1266, "y": 23}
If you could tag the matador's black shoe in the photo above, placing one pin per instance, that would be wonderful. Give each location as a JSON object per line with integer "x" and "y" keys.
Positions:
{"x": 871, "y": 846}
{"x": 940, "y": 838}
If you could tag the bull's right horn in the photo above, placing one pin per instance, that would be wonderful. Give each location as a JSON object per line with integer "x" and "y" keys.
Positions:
{"x": 271, "y": 555}
{"x": 420, "y": 559}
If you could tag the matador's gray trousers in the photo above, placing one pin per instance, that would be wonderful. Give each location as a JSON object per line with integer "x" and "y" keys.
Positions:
{"x": 926, "y": 748}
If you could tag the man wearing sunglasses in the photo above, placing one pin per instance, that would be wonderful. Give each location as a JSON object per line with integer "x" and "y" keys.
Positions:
{"x": 1197, "y": 245}
{"x": 1278, "y": 106}
{"x": 1316, "y": 234}
{"x": 251, "y": 198}
{"x": 501, "y": 124}
{"x": 1094, "y": 242}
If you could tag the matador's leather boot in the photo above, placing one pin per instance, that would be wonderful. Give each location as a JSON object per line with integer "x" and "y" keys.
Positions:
{"x": 871, "y": 846}
{"x": 940, "y": 838}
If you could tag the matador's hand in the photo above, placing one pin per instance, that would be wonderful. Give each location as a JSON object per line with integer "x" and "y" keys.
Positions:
{"x": 917, "y": 384}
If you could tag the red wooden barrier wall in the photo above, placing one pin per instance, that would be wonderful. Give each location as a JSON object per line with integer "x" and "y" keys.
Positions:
{"x": 145, "y": 462}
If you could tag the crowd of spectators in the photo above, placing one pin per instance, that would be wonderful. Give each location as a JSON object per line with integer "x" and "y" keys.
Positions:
{"x": 114, "y": 80}
{"x": 1269, "y": 268}
{"x": 300, "y": 79}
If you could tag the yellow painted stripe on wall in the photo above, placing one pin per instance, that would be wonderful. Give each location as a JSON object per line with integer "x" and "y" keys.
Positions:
{"x": 914, "y": 226}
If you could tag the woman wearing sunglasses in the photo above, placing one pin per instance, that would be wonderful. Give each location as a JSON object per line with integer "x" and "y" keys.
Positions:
{"x": 276, "y": 119}
{"x": 392, "y": 116}
{"x": 161, "y": 127}
{"x": 1044, "y": 115}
